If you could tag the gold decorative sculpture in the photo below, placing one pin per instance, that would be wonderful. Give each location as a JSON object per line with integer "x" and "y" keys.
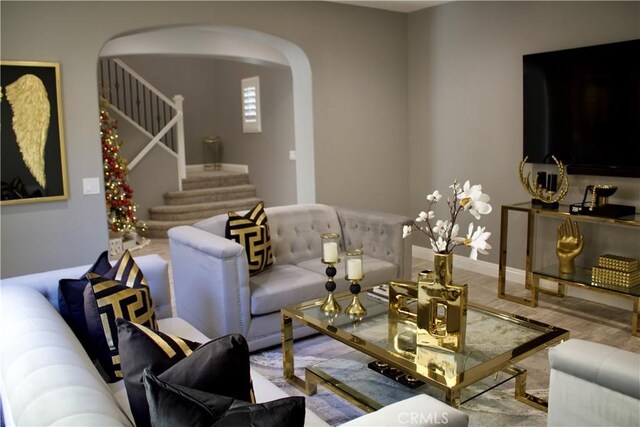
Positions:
{"x": 442, "y": 307}
{"x": 569, "y": 246}
{"x": 31, "y": 114}
{"x": 441, "y": 313}
{"x": 542, "y": 192}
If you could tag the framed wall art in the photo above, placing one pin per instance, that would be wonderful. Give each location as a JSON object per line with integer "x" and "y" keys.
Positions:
{"x": 33, "y": 166}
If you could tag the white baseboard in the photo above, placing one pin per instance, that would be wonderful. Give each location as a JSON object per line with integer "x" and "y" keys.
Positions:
{"x": 226, "y": 167}
{"x": 516, "y": 275}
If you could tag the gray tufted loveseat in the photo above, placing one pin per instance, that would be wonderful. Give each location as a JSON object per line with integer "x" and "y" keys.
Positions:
{"x": 213, "y": 290}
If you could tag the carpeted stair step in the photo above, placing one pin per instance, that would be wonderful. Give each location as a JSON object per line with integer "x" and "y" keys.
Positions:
{"x": 199, "y": 210}
{"x": 209, "y": 179}
{"x": 158, "y": 229}
{"x": 207, "y": 195}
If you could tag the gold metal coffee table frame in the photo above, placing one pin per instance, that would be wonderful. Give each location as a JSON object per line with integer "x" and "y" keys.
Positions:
{"x": 582, "y": 276}
{"x": 537, "y": 337}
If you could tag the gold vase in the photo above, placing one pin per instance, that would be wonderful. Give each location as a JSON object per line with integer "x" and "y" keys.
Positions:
{"x": 442, "y": 307}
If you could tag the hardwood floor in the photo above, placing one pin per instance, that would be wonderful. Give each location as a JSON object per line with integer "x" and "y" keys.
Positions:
{"x": 584, "y": 319}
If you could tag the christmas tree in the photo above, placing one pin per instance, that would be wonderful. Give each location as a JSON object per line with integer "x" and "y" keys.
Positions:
{"x": 118, "y": 193}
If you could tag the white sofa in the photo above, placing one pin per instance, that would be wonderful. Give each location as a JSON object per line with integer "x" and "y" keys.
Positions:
{"x": 593, "y": 384}
{"x": 46, "y": 378}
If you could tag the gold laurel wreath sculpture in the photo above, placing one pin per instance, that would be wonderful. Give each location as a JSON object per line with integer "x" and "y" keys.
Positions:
{"x": 541, "y": 193}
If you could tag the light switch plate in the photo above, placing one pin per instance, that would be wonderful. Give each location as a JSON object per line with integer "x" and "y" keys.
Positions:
{"x": 91, "y": 185}
{"x": 292, "y": 154}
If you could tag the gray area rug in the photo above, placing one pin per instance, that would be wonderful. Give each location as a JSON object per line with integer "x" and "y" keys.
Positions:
{"x": 497, "y": 407}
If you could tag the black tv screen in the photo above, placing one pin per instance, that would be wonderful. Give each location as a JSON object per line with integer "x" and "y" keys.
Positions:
{"x": 583, "y": 106}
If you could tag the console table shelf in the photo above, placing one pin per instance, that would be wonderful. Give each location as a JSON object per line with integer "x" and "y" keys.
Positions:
{"x": 581, "y": 278}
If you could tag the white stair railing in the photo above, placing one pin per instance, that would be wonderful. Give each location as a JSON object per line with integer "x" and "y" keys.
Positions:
{"x": 147, "y": 109}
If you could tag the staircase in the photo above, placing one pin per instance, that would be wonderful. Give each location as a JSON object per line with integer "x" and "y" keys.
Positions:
{"x": 203, "y": 195}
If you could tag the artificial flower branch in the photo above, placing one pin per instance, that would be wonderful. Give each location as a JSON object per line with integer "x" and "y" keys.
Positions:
{"x": 444, "y": 235}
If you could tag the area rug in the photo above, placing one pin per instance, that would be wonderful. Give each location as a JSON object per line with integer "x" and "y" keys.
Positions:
{"x": 497, "y": 407}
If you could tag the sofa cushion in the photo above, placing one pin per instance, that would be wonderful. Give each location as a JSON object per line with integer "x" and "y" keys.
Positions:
{"x": 252, "y": 232}
{"x": 219, "y": 366}
{"x": 71, "y": 300}
{"x": 283, "y": 285}
{"x": 171, "y": 405}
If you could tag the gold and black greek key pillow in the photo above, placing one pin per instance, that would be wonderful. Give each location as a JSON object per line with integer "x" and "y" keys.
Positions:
{"x": 105, "y": 300}
{"x": 218, "y": 366}
{"x": 252, "y": 232}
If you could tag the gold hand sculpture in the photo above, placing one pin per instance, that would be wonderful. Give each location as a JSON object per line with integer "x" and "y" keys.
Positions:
{"x": 569, "y": 245}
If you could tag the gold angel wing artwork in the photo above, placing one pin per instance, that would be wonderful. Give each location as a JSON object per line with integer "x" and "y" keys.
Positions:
{"x": 31, "y": 115}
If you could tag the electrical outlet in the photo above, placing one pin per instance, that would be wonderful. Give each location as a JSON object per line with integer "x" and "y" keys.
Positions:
{"x": 292, "y": 154}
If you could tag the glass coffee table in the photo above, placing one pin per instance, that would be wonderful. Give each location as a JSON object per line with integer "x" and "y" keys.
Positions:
{"x": 386, "y": 365}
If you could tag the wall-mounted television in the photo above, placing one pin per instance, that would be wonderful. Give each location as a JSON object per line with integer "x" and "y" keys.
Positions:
{"x": 583, "y": 106}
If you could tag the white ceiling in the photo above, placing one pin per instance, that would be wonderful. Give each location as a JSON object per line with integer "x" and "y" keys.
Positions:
{"x": 394, "y": 5}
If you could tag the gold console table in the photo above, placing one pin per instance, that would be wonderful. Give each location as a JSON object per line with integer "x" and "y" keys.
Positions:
{"x": 581, "y": 278}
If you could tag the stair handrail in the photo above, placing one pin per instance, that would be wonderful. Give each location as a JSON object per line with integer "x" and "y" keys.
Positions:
{"x": 178, "y": 151}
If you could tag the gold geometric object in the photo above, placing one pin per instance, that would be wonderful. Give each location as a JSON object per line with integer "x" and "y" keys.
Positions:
{"x": 605, "y": 276}
{"x": 440, "y": 315}
{"x": 618, "y": 263}
{"x": 31, "y": 114}
{"x": 541, "y": 193}
{"x": 442, "y": 307}
{"x": 569, "y": 246}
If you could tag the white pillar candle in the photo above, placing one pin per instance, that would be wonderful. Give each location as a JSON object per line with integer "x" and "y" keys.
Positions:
{"x": 354, "y": 269}
{"x": 330, "y": 252}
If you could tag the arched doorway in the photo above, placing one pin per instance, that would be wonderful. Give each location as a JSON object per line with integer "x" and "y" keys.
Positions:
{"x": 237, "y": 42}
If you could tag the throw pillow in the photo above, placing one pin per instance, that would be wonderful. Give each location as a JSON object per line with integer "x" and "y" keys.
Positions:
{"x": 220, "y": 366}
{"x": 121, "y": 293}
{"x": 173, "y": 405}
{"x": 71, "y": 300}
{"x": 252, "y": 232}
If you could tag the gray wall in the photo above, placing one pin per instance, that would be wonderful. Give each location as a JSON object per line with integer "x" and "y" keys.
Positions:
{"x": 465, "y": 98}
{"x": 402, "y": 105}
{"x": 358, "y": 58}
{"x": 212, "y": 106}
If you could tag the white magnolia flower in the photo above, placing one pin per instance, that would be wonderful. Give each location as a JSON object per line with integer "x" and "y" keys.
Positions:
{"x": 477, "y": 241}
{"x": 434, "y": 197}
{"x": 424, "y": 216}
{"x": 444, "y": 235}
{"x": 439, "y": 245}
{"x": 441, "y": 227}
{"x": 474, "y": 200}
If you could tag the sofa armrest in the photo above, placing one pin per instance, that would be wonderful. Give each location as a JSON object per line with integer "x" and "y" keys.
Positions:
{"x": 379, "y": 235}
{"x": 600, "y": 364}
{"x": 419, "y": 410}
{"x": 210, "y": 280}
{"x": 592, "y": 384}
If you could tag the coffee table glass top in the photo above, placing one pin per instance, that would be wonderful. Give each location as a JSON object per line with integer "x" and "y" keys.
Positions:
{"x": 494, "y": 340}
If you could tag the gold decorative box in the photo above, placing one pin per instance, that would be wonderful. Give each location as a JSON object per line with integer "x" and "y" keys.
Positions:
{"x": 607, "y": 276}
{"x": 618, "y": 263}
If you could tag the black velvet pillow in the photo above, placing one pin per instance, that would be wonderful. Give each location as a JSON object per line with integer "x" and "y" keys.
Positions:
{"x": 174, "y": 405}
{"x": 252, "y": 232}
{"x": 71, "y": 300}
{"x": 220, "y": 366}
